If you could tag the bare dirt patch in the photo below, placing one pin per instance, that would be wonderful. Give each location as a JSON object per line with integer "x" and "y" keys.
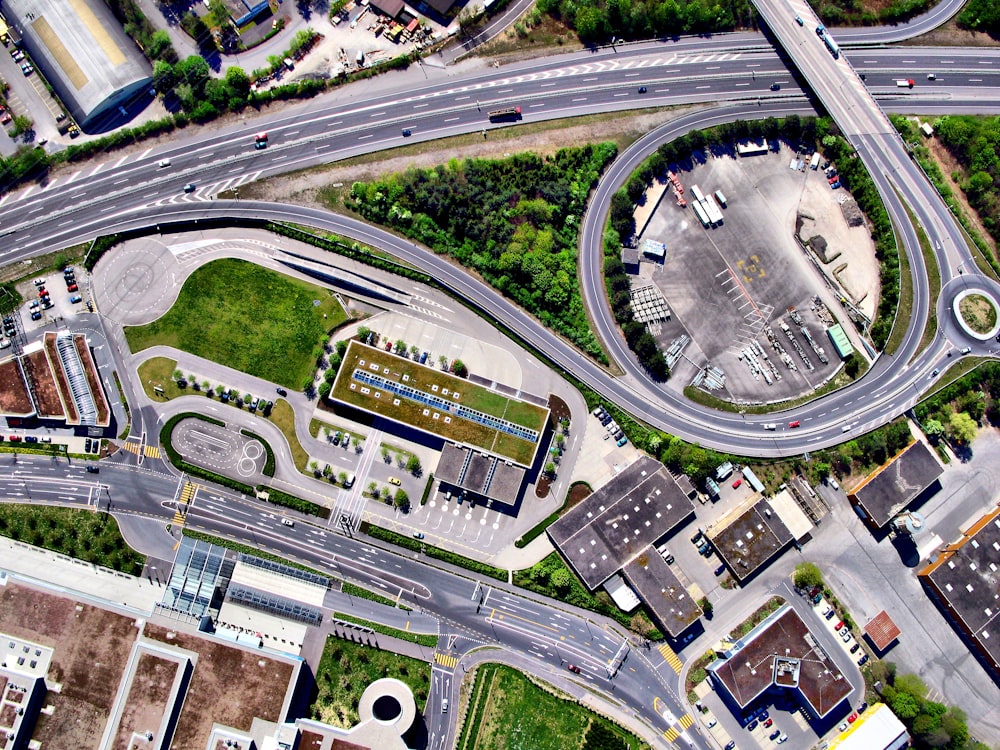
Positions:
{"x": 67, "y": 397}
{"x": 36, "y": 368}
{"x": 147, "y": 698}
{"x": 14, "y": 397}
{"x": 92, "y": 378}
{"x": 229, "y": 686}
{"x": 90, "y": 650}
{"x": 950, "y": 35}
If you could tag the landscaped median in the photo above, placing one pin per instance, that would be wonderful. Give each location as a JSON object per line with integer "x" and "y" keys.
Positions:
{"x": 422, "y": 639}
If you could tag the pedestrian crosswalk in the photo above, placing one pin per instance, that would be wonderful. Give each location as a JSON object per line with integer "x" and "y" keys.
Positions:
{"x": 132, "y": 447}
{"x": 674, "y": 732}
{"x": 445, "y": 660}
{"x": 152, "y": 451}
{"x": 671, "y": 658}
{"x": 186, "y": 497}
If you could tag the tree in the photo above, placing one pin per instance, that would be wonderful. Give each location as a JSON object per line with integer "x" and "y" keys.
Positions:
{"x": 22, "y": 124}
{"x": 327, "y": 471}
{"x": 178, "y": 375}
{"x": 807, "y": 575}
{"x": 401, "y": 500}
{"x": 194, "y": 71}
{"x": 373, "y": 489}
{"x": 324, "y": 388}
{"x": 237, "y": 81}
{"x": 443, "y": 362}
{"x": 400, "y": 346}
{"x": 934, "y": 429}
{"x": 386, "y": 456}
{"x": 164, "y": 76}
{"x": 904, "y": 705}
{"x": 550, "y": 469}
{"x": 561, "y": 581}
{"x": 963, "y": 427}
{"x": 386, "y": 493}
{"x": 458, "y": 367}
{"x": 414, "y": 351}
{"x": 342, "y": 477}
{"x": 413, "y": 465}
{"x": 363, "y": 333}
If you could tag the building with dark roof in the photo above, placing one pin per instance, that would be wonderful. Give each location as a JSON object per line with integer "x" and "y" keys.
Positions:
{"x": 659, "y": 587}
{"x": 963, "y": 581}
{"x": 894, "y": 485}
{"x": 391, "y": 8}
{"x": 85, "y": 54}
{"x": 612, "y": 526}
{"x": 748, "y": 541}
{"x": 780, "y": 654}
{"x": 881, "y": 631}
{"x": 481, "y": 475}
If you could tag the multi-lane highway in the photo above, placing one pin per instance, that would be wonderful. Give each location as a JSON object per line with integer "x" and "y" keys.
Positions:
{"x": 133, "y": 190}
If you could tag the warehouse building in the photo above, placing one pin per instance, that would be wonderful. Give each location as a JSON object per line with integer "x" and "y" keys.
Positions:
{"x": 892, "y": 487}
{"x": 92, "y": 64}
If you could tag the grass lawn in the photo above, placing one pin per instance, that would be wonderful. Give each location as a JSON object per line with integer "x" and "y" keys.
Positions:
{"x": 507, "y": 711}
{"x": 83, "y": 534}
{"x": 247, "y": 317}
{"x": 283, "y": 417}
{"x": 347, "y": 668}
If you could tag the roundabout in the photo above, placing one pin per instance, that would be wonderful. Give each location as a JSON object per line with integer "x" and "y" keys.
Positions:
{"x": 976, "y": 313}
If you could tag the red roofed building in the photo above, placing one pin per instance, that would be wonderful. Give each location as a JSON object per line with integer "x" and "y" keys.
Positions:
{"x": 881, "y": 631}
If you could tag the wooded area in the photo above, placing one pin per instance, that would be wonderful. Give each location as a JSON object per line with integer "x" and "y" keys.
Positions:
{"x": 981, "y": 15}
{"x": 514, "y": 221}
{"x": 974, "y": 142}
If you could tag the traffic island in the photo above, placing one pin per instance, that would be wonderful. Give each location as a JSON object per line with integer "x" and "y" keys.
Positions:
{"x": 976, "y": 313}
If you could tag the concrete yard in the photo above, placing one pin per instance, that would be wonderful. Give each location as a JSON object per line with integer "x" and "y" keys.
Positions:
{"x": 725, "y": 285}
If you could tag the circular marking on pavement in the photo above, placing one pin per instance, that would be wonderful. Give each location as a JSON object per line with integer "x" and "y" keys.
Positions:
{"x": 496, "y": 525}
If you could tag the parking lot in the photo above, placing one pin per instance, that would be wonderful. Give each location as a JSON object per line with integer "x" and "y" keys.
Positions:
{"x": 54, "y": 297}
{"x": 725, "y": 286}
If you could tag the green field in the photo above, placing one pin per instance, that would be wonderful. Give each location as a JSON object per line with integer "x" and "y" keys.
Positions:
{"x": 247, "y": 317}
{"x": 347, "y": 668}
{"x": 507, "y": 711}
{"x": 83, "y": 534}
{"x": 432, "y": 381}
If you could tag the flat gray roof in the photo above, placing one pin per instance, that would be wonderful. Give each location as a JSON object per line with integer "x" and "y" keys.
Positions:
{"x": 85, "y": 54}
{"x": 481, "y": 474}
{"x": 612, "y": 526}
{"x": 751, "y": 539}
{"x": 964, "y": 578}
{"x": 890, "y": 488}
{"x": 662, "y": 591}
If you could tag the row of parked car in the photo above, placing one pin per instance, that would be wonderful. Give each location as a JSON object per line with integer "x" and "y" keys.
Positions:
{"x": 27, "y": 439}
{"x": 613, "y": 430}
{"x": 19, "y": 57}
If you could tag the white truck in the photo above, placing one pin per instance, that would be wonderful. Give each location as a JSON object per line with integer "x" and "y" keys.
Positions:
{"x": 721, "y": 198}
{"x": 814, "y": 162}
{"x": 712, "y": 209}
{"x": 905, "y": 84}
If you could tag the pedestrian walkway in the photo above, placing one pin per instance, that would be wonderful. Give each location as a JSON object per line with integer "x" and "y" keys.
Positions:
{"x": 674, "y": 732}
{"x": 671, "y": 658}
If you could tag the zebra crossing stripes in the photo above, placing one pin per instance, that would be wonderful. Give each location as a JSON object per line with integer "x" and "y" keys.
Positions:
{"x": 445, "y": 660}
{"x": 670, "y": 657}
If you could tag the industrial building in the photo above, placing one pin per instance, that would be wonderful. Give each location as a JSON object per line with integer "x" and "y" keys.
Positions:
{"x": 479, "y": 476}
{"x": 841, "y": 344}
{"x": 755, "y": 532}
{"x": 881, "y": 632}
{"x": 962, "y": 580}
{"x": 780, "y": 655}
{"x": 878, "y": 728}
{"x": 668, "y": 600}
{"x": 55, "y": 379}
{"x": 92, "y": 64}
{"x": 618, "y": 522}
{"x": 891, "y": 488}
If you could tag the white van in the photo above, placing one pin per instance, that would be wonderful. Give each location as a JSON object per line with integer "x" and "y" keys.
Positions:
{"x": 770, "y": 426}
{"x": 833, "y": 483}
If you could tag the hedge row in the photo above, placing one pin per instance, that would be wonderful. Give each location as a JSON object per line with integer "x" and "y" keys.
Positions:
{"x": 416, "y": 545}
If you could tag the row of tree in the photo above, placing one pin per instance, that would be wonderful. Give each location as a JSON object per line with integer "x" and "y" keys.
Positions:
{"x": 975, "y": 143}
{"x": 604, "y": 21}
{"x": 514, "y": 221}
{"x": 981, "y": 15}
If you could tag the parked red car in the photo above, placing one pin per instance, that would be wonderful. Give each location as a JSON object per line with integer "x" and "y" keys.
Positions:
{"x": 737, "y": 483}
{"x": 72, "y": 288}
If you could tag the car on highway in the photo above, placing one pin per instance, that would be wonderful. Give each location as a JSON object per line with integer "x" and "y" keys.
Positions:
{"x": 966, "y": 349}
{"x": 395, "y": 481}
{"x": 799, "y": 21}
{"x": 642, "y": 89}
{"x": 775, "y": 86}
{"x": 737, "y": 483}
{"x": 770, "y": 426}
{"x": 190, "y": 187}
{"x": 287, "y": 522}
{"x": 931, "y": 77}
{"x": 935, "y": 372}
{"x": 281, "y": 391}
{"x": 444, "y": 705}
{"x": 93, "y": 470}
{"x": 163, "y": 163}
{"x": 407, "y": 132}
{"x": 260, "y": 141}
{"x": 573, "y": 668}
{"x": 794, "y": 424}
{"x": 417, "y": 535}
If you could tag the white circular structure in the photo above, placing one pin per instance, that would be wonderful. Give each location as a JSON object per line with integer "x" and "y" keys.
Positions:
{"x": 955, "y": 306}
{"x": 388, "y": 702}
